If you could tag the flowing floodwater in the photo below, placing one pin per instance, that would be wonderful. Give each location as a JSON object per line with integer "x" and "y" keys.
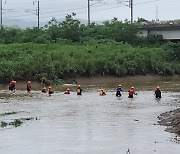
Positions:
{"x": 90, "y": 124}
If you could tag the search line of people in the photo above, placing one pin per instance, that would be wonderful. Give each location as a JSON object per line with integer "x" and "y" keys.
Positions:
{"x": 102, "y": 92}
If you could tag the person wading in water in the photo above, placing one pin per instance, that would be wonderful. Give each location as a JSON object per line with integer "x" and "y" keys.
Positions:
{"x": 50, "y": 91}
{"x": 12, "y": 86}
{"x": 79, "y": 90}
{"x": 157, "y": 92}
{"x": 67, "y": 91}
{"x": 118, "y": 91}
{"x": 28, "y": 87}
{"x": 102, "y": 92}
{"x": 131, "y": 92}
{"x": 43, "y": 90}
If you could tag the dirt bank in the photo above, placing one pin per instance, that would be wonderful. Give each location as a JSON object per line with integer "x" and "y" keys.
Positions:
{"x": 113, "y": 80}
{"x": 171, "y": 119}
{"x": 170, "y": 83}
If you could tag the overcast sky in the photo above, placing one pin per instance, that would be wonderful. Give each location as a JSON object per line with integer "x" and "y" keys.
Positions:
{"x": 104, "y": 10}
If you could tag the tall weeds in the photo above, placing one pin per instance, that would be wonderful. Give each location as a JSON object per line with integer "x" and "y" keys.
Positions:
{"x": 61, "y": 61}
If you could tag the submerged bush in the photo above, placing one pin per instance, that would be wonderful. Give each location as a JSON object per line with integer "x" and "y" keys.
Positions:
{"x": 15, "y": 123}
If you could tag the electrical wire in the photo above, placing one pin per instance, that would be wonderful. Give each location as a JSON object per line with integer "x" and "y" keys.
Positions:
{"x": 74, "y": 10}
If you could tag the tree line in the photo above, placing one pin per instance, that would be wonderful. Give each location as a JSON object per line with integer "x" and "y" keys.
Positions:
{"x": 72, "y": 30}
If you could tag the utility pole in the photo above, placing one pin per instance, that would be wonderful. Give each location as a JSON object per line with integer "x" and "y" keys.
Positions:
{"x": 1, "y": 14}
{"x": 89, "y": 20}
{"x": 38, "y": 14}
{"x": 89, "y": 5}
{"x": 131, "y": 7}
{"x": 157, "y": 13}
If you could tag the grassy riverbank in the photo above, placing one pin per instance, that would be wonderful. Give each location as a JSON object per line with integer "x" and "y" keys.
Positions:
{"x": 61, "y": 61}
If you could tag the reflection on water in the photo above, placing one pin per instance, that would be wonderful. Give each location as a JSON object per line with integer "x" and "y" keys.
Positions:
{"x": 88, "y": 124}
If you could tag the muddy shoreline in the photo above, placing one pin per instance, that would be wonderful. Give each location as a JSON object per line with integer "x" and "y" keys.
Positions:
{"x": 171, "y": 119}
{"x": 112, "y": 79}
{"x": 167, "y": 83}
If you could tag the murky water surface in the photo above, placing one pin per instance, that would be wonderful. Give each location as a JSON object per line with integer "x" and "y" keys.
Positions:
{"x": 90, "y": 124}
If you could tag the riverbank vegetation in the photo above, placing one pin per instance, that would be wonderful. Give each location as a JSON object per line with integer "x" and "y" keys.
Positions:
{"x": 69, "y": 49}
{"x": 43, "y": 62}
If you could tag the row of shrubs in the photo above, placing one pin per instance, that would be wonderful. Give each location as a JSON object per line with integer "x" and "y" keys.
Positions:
{"x": 43, "y": 62}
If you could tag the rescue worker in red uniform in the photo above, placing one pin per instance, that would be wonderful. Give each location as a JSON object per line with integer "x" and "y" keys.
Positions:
{"x": 29, "y": 87}
{"x": 67, "y": 91}
{"x": 131, "y": 92}
{"x": 12, "y": 85}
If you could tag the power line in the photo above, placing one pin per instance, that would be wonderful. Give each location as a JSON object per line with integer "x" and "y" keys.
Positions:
{"x": 146, "y": 2}
{"x": 81, "y": 8}
{"x": 130, "y": 6}
{"x": 60, "y": 15}
{"x": 66, "y": 10}
{"x": 32, "y": 2}
{"x": 89, "y": 6}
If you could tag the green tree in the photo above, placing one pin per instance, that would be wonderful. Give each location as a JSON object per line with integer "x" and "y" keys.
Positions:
{"x": 8, "y": 35}
{"x": 70, "y": 28}
{"x": 53, "y": 29}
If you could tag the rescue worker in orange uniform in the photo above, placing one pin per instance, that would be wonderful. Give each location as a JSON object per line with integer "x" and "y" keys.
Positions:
{"x": 102, "y": 92}
{"x": 157, "y": 92}
{"x": 43, "y": 90}
{"x": 79, "y": 90}
{"x": 29, "y": 87}
{"x": 131, "y": 92}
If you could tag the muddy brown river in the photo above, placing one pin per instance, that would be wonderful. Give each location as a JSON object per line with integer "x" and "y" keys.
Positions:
{"x": 90, "y": 124}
